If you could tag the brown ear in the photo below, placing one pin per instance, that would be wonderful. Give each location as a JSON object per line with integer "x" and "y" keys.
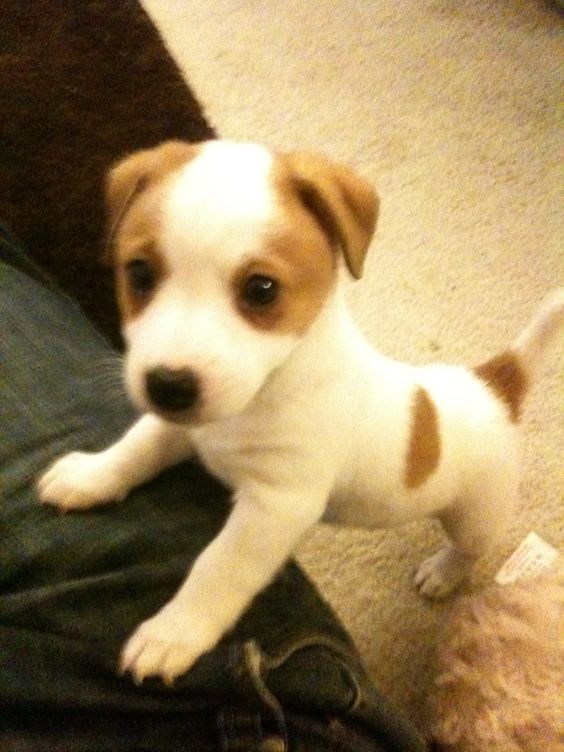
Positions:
{"x": 137, "y": 172}
{"x": 344, "y": 204}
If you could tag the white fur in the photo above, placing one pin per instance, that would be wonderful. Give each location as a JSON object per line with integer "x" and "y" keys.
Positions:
{"x": 214, "y": 218}
{"x": 298, "y": 426}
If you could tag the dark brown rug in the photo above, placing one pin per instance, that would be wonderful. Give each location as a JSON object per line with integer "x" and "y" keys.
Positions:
{"x": 81, "y": 84}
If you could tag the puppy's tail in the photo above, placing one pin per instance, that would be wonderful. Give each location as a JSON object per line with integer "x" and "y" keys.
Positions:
{"x": 510, "y": 374}
{"x": 536, "y": 337}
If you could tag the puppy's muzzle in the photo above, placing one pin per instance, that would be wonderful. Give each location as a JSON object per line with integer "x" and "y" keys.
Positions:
{"x": 172, "y": 390}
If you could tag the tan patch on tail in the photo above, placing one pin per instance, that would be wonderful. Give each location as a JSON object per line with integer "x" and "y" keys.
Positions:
{"x": 506, "y": 377}
{"x": 424, "y": 450}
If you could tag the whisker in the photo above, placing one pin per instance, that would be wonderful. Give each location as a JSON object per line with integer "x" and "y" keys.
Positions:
{"x": 108, "y": 375}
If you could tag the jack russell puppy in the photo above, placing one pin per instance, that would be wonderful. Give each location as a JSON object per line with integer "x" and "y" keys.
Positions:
{"x": 240, "y": 350}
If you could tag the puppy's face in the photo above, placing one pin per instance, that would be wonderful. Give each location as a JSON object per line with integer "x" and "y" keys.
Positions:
{"x": 225, "y": 256}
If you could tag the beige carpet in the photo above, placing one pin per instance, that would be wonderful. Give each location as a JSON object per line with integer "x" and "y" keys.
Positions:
{"x": 451, "y": 108}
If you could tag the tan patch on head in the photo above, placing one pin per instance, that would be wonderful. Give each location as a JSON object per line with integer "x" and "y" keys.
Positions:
{"x": 140, "y": 171}
{"x": 134, "y": 249}
{"x": 324, "y": 208}
{"x": 506, "y": 377}
{"x": 134, "y": 195}
{"x": 297, "y": 257}
{"x": 424, "y": 449}
{"x": 344, "y": 205}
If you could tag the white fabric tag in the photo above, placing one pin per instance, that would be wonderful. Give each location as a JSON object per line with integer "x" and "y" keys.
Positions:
{"x": 531, "y": 557}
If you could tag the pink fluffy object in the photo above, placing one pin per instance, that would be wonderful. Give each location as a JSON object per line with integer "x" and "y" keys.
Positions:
{"x": 500, "y": 683}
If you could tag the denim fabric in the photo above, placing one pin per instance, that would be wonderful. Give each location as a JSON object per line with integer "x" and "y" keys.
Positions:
{"x": 72, "y": 587}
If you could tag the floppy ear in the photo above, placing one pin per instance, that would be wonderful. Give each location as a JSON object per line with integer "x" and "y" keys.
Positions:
{"x": 134, "y": 174}
{"x": 344, "y": 204}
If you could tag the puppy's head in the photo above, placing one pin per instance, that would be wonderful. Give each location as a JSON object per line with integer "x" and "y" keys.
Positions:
{"x": 225, "y": 255}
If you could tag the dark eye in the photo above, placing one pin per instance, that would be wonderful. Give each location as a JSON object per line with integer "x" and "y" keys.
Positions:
{"x": 260, "y": 291}
{"x": 141, "y": 276}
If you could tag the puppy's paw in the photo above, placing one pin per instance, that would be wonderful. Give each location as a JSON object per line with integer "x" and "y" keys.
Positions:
{"x": 167, "y": 645}
{"x": 441, "y": 573}
{"x": 80, "y": 480}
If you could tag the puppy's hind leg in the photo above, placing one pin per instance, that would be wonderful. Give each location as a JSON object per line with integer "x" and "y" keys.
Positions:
{"x": 473, "y": 525}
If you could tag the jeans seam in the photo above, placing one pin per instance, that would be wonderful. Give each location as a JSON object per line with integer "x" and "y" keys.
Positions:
{"x": 253, "y": 658}
{"x": 344, "y": 656}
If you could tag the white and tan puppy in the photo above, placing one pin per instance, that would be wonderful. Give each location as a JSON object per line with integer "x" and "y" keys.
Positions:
{"x": 240, "y": 349}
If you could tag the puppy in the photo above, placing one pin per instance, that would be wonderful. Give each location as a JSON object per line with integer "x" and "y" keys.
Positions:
{"x": 240, "y": 350}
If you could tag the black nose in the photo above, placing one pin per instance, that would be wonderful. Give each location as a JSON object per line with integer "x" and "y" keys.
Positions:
{"x": 172, "y": 390}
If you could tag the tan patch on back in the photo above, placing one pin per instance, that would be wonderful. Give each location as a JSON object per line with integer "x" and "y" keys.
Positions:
{"x": 506, "y": 377}
{"x": 424, "y": 450}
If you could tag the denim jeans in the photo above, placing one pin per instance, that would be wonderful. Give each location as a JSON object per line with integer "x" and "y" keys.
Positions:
{"x": 72, "y": 587}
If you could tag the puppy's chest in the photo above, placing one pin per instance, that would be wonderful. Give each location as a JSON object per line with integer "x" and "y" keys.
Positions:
{"x": 241, "y": 451}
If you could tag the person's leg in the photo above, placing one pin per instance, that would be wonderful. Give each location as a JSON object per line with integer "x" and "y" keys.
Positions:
{"x": 74, "y": 586}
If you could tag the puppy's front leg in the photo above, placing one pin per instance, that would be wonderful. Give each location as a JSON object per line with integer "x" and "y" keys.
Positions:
{"x": 263, "y": 528}
{"x": 80, "y": 480}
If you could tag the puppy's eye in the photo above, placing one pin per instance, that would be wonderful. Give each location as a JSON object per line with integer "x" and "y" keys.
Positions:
{"x": 141, "y": 276}
{"x": 260, "y": 291}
